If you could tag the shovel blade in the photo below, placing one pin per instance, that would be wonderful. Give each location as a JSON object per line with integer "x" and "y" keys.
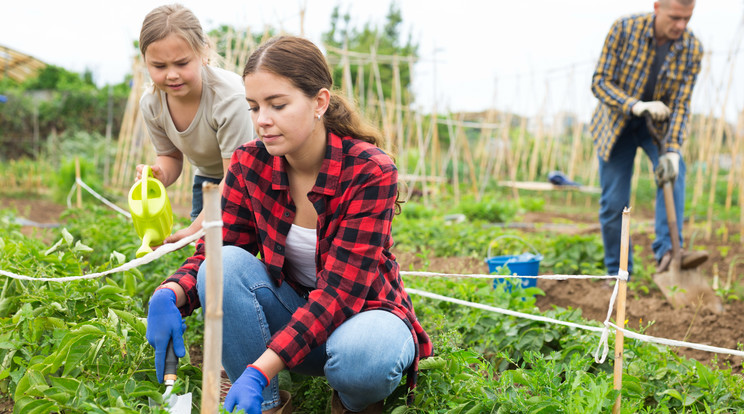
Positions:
{"x": 179, "y": 404}
{"x": 687, "y": 287}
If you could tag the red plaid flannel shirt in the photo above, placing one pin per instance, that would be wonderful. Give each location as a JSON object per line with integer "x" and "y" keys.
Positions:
{"x": 354, "y": 196}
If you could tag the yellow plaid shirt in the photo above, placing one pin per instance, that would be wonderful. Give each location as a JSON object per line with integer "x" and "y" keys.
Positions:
{"x": 622, "y": 72}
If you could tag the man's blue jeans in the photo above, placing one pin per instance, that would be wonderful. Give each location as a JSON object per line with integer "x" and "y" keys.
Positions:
{"x": 363, "y": 359}
{"x": 615, "y": 179}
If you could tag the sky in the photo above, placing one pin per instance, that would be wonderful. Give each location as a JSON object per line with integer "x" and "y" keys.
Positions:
{"x": 522, "y": 55}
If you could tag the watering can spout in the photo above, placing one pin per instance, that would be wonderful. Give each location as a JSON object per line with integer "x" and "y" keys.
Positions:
{"x": 145, "y": 247}
{"x": 151, "y": 211}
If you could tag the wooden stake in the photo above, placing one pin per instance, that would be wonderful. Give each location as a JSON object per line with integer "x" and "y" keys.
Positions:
{"x": 620, "y": 310}
{"x": 735, "y": 149}
{"x": 77, "y": 178}
{"x": 213, "y": 311}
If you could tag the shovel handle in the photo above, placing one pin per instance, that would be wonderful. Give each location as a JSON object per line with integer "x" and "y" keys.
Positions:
{"x": 171, "y": 364}
{"x": 656, "y": 134}
{"x": 671, "y": 218}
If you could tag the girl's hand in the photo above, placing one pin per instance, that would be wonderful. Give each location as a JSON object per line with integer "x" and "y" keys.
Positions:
{"x": 183, "y": 233}
{"x": 157, "y": 172}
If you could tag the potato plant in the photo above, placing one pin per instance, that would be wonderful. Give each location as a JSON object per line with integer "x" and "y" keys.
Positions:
{"x": 79, "y": 347}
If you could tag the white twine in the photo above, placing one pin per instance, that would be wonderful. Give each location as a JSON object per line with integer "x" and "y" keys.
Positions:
{"x": 622, "y": 274}
{"x": 604, "y": 331}
{"x": 501, "y": 310}
{"x": 149, "y": 257}
{"x": 514, "y": 275}
{"x": 673, "y": 342}
{"x": 82, "y": 184}
{"x": 210, "y": 224}
{"x": 602, "y": 345}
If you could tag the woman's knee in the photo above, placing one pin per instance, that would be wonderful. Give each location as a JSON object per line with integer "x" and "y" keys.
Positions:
{"x": 239, "y": 269}
{"x": 372, "y": 351}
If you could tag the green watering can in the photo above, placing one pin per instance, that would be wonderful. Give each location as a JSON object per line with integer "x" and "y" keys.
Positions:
{"x": 151, "y": 211}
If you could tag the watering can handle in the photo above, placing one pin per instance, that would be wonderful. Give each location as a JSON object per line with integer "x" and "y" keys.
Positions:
{"x": 146, "y": 173}
{"x": 509, "y": 236}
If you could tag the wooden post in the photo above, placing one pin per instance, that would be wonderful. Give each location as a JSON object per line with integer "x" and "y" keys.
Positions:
{"x": 620, "y": 310}
{"x": 79, "y": 188}
{"x": 213, "y": 311}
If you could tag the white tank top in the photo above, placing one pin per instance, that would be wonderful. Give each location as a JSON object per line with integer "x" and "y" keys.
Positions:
{"x": 300, "y": 255}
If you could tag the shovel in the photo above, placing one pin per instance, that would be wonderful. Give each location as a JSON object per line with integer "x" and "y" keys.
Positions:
{"x": 174, "y": 404}
{"x": 681, "y": 287}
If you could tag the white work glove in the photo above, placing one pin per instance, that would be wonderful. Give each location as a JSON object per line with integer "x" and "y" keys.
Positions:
{"x": 668, "y": 167}
{"x": 656, "y": 109}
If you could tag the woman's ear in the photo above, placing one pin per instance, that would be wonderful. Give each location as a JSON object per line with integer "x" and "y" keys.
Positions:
{"x": 322, "y": 100}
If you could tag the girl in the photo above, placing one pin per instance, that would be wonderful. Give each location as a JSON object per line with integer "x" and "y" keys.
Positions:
{"x": 193, "y": 110}
{"x": 315, "y": 196}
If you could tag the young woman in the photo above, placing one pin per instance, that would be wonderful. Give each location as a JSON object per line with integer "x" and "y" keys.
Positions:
{"x": 193, "y": 109}
{"x": 315, "y": 196}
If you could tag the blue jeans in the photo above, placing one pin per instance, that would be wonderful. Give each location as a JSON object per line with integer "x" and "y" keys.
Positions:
{"x": 363, "y": 359}
{"x": 615, "y": 179}
{"x": 196, "y": 194}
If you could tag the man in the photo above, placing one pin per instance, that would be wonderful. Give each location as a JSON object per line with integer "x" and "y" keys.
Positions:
{"x": 649, "y": 64}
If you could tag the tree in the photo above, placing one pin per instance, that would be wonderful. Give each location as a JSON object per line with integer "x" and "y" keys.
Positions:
{"x": 385, "y": 42}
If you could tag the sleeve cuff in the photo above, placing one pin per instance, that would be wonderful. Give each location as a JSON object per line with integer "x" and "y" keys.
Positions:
{"x": 259, "y": 370}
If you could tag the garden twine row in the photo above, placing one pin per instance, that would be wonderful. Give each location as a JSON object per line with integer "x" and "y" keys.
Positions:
{"x": 600, "y": 353}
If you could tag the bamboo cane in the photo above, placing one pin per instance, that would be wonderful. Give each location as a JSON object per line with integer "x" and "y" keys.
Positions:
{"x": 715, "y": 164}
{"x": 360, "y": 88}
{"x": 536, "y": 146}
{"x": 521, "y": 147}
{"x": 574, "y": 157}
{"x": 704, "y": 138}
{"x": 735, "y": 156}
{"x": 468, "y": 155}
{"x": 512, "y": 156}
{"x": 124, "y": 132}
{"x": 453, "y": 154}
{"x": 715, "y": 159}
{"x": 213, "y": 312}
{"x": 398, "y": 100}
{"x": 740, "y": 128}
{"x": 635, "y": 179}
{"x": 346, "y": 83}
{"x": 620, "y": 310}
{"x": 77, "y": 186}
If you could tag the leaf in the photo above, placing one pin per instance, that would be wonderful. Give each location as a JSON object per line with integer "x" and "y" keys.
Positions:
{"x": 119, "y": 258}
{"x": 401, "y": 409}
{"x": 432, "y": 363}
{"x": 67, "y": 236}
{"x": 673, "y": 393}
{"x": 54, "y": 247}
{"x": 81, "y": 248}
{"x": 28, "y": 405}
{"x": 80, "y": 346}
{"x": 28, "y": 383}
{"x": 65, "y": 383}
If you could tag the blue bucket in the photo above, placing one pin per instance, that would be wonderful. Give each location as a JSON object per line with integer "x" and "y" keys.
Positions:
{"x": 525, "y": 264}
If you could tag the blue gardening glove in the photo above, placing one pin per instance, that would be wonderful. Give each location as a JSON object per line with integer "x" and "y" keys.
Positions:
{"x": 163, "y": 323}
{"x": 245, "y": 393}
{"x": 668, "y": 167}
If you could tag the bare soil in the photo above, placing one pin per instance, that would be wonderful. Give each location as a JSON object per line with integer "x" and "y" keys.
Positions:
{"x": 697, "y": 324}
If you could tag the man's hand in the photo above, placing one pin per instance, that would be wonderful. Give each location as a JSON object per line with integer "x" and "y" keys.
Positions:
{"x": 163, "y": 323}
{"x": 245, "y": 394}
{"x": 657, "y": 109}
{"x": 668, "y": 167}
